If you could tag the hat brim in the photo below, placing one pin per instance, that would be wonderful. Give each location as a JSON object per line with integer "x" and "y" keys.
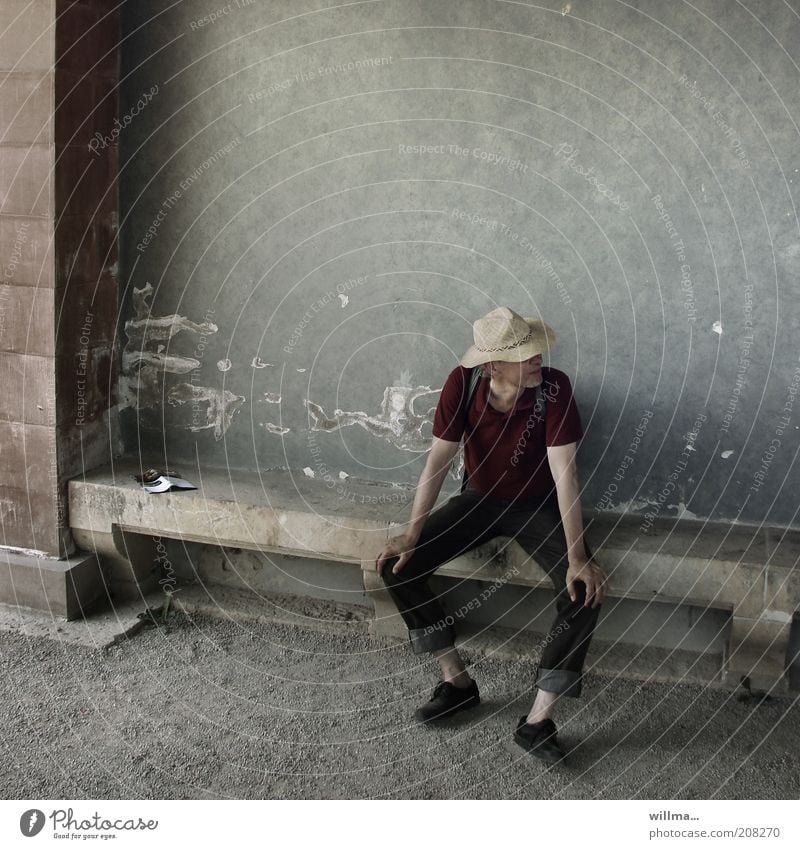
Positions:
{"x": 542, "y": 339}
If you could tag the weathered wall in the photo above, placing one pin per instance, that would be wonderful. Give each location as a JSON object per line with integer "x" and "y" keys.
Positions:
{"x": 323, "y": 200}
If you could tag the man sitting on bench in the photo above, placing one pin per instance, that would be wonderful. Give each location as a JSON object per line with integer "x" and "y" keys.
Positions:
{"x": 520, "y": 427}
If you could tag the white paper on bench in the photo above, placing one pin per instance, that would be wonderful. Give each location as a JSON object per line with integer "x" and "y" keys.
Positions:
{"x": 166, "y": 482}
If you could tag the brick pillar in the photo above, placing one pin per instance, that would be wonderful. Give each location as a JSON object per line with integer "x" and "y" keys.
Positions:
{"x": 87, "y": 38}
{"x": 58, "y": 294}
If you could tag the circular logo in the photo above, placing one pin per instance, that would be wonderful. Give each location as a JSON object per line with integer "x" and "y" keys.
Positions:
{"x": 31, "y": 822}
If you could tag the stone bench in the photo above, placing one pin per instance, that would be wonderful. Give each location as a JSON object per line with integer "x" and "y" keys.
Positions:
{"x": 751, "y": 573}
{"x": 273, "y": 511}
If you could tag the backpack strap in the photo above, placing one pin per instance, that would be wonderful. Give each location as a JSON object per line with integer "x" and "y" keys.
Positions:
{"x": 474, "y": 379}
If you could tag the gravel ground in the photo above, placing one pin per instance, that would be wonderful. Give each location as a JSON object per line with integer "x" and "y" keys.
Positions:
{"x": 215, "y": 708}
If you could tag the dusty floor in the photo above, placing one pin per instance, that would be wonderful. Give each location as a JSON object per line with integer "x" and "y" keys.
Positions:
{"x": 222, "y": 709}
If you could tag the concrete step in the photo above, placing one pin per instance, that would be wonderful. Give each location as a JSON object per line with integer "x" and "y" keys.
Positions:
{"x": 103, "y": 625}
{"x": 624, "y": 660}
{"x": 243, "y": 605}
{"x": 62, "y": 588}
{"x": 615, "y": 659}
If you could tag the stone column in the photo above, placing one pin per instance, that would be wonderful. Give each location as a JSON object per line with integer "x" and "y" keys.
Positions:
{"x": 58, "y": 294}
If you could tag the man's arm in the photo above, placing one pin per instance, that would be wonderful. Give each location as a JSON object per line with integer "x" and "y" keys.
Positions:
{"x": 440, "y": 458}
{"x": 564, "y": 467}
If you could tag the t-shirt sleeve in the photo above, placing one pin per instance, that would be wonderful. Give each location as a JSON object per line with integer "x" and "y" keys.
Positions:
{"x": 562, "y": 417}
{"x": 448, "y": 420}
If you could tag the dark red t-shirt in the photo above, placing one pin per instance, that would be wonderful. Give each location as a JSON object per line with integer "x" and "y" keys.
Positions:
{"x": 506, "y": 453}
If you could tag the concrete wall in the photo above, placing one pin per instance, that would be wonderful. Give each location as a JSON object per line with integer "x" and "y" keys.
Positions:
{"x": 316, "y": 204}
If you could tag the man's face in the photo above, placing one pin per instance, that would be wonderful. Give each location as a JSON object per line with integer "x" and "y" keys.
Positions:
{"x": 519, "y": 374}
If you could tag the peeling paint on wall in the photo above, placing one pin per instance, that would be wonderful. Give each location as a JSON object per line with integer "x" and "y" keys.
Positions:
{"x": 131, "y": 360}
{"x": 145, "y": 365}
{"x": 222, "y": 405}
{"x": 398, "y": 421}
{"x": 256, "y": 362}
{"x": 8, "y": 510}
{"x": 630, "y": 506}
{"x": 683, "y": 513}
{"x": 273, "y": 428}
{"x": 146, "y": 329}
{"x": 143, "y": 362}
{"x": 271, "y": 398}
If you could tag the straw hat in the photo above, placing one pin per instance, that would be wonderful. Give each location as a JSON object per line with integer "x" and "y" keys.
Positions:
{"x": 504, "y": 335}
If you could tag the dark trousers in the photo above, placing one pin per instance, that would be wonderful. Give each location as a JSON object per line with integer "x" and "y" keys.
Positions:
{"x": 468, "y": 520}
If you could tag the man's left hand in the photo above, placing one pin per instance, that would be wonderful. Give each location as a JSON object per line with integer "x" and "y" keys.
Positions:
{"x": 593, "y": 576}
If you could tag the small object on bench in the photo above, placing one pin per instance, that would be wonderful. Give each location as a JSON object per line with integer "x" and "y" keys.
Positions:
{"x": 151, "y": 475}
{"x": 164, "y": 483}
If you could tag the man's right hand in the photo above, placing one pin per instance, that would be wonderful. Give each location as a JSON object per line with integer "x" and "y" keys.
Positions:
{"x": 401, "y": 547}
{"x": 440, "y": 458}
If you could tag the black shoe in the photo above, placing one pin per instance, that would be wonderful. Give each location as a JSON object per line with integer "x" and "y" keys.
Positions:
{"x": 539, "y": 739}
{"x": 448, "y": 699}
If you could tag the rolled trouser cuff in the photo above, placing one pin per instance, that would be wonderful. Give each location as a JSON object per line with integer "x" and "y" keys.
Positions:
{"x": 431, "y": 639}
{"x": 565, "y": 682}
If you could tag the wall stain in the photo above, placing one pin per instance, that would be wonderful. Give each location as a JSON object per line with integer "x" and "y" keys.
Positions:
{"x": 398, "y": 422}
{"x": 222, "y": 405}
{"x": 273, "y": 428}
{"x": 143, "y": 357}
{"x": 146, "y": 329}
{"x": 144, "y": 367}
{"x": 133, "y": 360}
